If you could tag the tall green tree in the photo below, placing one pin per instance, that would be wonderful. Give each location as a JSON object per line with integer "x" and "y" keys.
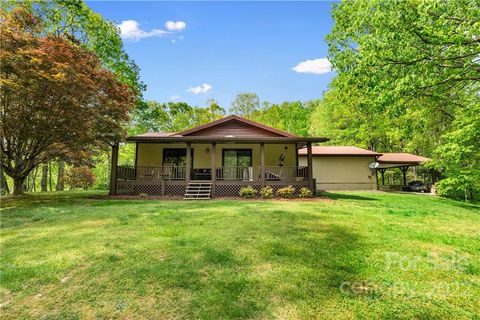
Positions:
{"x": 245, "y": 104}
{"x": 293, "y": 117}
{"x": 58, "y": 101}
{"x": 410, "y": 70}
{"x": 75, "y": 20}
{"x": 213, "y": 111}
{"x": 172, "y": 116}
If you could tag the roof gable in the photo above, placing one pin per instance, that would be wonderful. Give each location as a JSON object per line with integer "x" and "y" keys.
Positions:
{"x": 235, "y": 126}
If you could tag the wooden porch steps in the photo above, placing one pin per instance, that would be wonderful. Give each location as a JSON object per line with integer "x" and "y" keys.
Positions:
{"x": 198, "y": 190}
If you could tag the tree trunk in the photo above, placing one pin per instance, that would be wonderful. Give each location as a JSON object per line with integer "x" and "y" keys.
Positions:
{"x": 18, "y": 185}
{"x": 60, "y": 175}
{"x": 50, "y": 176}
{"x": 43, "y": 182}
{"x": 3, "y": 183}
{"x": 34, "y": 184}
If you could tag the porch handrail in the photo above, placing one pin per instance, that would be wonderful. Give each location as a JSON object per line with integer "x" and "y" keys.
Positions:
{"x": 151, "y": 173}
{"x": 226, "y": 173}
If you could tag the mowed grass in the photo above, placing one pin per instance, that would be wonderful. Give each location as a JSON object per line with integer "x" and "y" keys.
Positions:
{"x": 360, "y": 255}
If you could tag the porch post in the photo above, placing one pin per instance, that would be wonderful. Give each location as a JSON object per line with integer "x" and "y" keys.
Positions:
{"x": 382, "y": 171}
{"x": 432, "y": 176}
{"x": 310, "y": 166}
{"x": 262, "y": 164}
{"x": 188, "y": 163}
{"x": 213, "y": 152}
{"x": 404, "y": 171}
{"x": 136, "y": 154}
{"x": 113, "y": 170}
{"x": 136, "y": 161}
{"x": 296, "y": 156}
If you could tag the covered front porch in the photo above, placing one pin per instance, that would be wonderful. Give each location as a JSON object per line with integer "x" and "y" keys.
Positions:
{"x": 165, "y": 168}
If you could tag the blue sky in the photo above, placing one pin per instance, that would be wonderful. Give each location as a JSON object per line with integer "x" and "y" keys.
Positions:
{"x": 219, "y": 49}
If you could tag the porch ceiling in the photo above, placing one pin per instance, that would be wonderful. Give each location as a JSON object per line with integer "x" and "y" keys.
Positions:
{"x": 398, "y": 165}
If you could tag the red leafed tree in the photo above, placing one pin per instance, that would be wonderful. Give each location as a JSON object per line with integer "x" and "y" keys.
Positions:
{"x": 80, "y": 177}
{"x": 57, "y": 101}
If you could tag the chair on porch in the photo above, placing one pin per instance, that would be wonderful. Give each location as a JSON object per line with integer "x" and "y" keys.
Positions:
{"x": 270, "y": 176}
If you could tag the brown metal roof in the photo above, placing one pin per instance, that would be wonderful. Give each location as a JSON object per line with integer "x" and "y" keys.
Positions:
{"x": 338, "y": 151}
{"x": 157, "y": 134}
{"x": 273, "y": 136}
{"x": 280, "y": 133}
{"x": 402, "y": 158}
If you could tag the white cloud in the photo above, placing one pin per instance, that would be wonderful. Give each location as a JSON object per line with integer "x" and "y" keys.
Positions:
{"x": 200, "y": 89}
{"x": 317, "y": 66}
{"x": 130, "y": 29}
{"x": 175, "y": 98}
{"x": 176, "y": 39}
{"x": 175, "y": 25}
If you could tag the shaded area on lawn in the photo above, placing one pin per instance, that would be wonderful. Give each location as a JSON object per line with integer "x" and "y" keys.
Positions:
{"x": 344, "y": 196}
{"x": 82, "y": 257}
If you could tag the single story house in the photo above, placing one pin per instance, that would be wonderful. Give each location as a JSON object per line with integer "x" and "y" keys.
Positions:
{"x": 342, "y": 168}
{"x": 221, "y": 157}
{"x": 214, "y": 159}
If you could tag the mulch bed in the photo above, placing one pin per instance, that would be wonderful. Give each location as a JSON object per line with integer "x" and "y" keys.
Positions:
{"x": 316, "y": 199}
{"x": 108, "y": 197}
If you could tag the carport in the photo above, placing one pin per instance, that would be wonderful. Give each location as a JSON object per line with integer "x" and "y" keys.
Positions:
{"x": 403, "y": 161}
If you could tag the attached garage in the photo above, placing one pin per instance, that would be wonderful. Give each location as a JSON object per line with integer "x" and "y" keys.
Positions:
{"x": 341, "y": 168}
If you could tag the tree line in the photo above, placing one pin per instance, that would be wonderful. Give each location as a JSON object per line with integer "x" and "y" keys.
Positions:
{"x": 408, "y": 80}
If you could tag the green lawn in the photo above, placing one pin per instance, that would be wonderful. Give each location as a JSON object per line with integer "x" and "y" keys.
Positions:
{"x": 360, "y": 255}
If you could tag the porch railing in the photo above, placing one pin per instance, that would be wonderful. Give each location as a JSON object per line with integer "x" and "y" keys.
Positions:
{"x": 272, "y": 173}
{"x": 238, "y": 173}
{"x": 285, "y": 173}
{"x": 151, "y": 173}
{"x": 226, "y": 173}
